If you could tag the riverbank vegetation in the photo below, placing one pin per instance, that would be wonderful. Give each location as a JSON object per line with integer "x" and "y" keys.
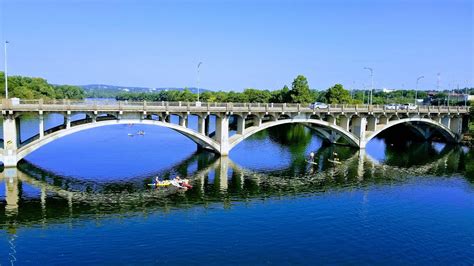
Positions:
{"x": 37, "y": 88}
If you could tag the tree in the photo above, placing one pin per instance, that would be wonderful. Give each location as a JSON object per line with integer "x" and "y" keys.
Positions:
{"x": 300, "y": 92}
{"x": 337, "y": 94}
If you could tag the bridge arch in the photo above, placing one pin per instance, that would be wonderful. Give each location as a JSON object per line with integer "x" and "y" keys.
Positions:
{"x": 202, "y": 140}
{"x": 236, "y": 139}
{"x": 450, "y": 136}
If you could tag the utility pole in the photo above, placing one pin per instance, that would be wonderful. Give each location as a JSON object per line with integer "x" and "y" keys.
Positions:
{"x": 200, "y": 63}
{"x": 6, "y": 72}
{"x": 465, "y": 96}
{"x": 416, "y": 89}
{"x": 363, "y": 94}
{"x": 437, "y": 82}
{"x": 372, "y": 82}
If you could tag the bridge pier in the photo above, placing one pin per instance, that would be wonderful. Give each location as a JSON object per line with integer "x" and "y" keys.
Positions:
{"x": 358, "y": 129}
{"x": 222, "y": 134}
{"x": 10, "y": 138}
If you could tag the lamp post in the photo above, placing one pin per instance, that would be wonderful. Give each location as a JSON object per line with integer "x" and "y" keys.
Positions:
{"x": 372, "y": 82}
{"x": 200, "y": 63}
{"x": 465, "y": 96}
{"x": 416, "y": 88}
{"x": 6, "y": 74}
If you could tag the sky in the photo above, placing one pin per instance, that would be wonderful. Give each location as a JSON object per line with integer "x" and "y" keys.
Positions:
{"x": 261, "y": 44}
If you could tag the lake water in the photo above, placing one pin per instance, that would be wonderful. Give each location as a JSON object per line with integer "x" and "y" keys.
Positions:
{"x": 84, "y": 199}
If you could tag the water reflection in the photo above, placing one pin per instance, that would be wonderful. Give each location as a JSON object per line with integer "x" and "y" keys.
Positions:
{"x": 35, "y": 196}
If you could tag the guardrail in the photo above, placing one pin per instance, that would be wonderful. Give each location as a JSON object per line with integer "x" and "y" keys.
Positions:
{"x": 162, "y": 106}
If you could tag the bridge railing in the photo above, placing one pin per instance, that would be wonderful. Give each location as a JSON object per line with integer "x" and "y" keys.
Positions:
{"x": 162, "y": 106}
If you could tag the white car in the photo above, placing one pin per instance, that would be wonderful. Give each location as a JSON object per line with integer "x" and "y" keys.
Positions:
{"x": 409, "y": 107}
{"x": 393, "y": 106}
{"x": 318, "y": 105}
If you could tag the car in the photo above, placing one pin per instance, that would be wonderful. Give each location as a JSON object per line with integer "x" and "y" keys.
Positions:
{"x": 409, "y": 106}
{"x": 318, "y": 105}
{"x": 391, "y": 106}
{"x": 394, "y": 106}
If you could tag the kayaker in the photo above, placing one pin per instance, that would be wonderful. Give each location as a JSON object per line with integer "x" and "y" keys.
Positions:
{"x": 157, "y": 180}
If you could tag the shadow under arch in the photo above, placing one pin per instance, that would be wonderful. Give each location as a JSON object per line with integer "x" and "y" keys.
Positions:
{"x": 236, "y": 139}
{"x": 445, "y": 131}
{"x": 202, "y": 140}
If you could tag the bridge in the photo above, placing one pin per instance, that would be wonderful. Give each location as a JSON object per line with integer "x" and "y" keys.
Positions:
{"x": 354, "y": 125}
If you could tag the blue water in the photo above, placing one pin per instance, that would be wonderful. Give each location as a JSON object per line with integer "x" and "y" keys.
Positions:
{"x": 409, "y": 204}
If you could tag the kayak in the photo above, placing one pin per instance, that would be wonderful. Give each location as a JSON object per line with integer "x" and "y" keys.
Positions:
{"x": 161, "y": 184}
{"x": 179, "y": 184}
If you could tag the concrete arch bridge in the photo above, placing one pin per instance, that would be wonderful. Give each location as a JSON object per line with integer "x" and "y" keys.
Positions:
{"x": 356, "y": 124}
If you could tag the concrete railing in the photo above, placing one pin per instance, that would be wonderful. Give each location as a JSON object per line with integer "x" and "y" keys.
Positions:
{"x": 162, "y": 106}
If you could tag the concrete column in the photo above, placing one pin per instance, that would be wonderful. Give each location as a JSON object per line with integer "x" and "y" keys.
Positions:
{"x": 344, "y": 122}
{"x": 201, "y": 126}
{"x": 331, "y": 119}
{"x": 240, "y": 125}
{"x": 446, "y": 121}
{"x": 257, "y": 121}
{"x": 67, "y": 119}
{"x": 12, "y": 191}
{"x": 371, "y": 123}
{"x": 207, "y": 123}
{"x": 358, "y": 129}
{"x": 182, "y": 120}
{"x": 94, "y": 117}
{"x": 456, "y": 125}
{"x": 222, "y": 134}
{"x": 383, "y": 120}
{"x": 41, "y": 124}
{"x": 10, "y": 138}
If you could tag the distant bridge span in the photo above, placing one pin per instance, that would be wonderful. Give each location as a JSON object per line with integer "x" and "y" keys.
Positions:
{"x": 356, "y": 124}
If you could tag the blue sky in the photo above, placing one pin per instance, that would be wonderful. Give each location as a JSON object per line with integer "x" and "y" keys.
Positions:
{"x": 260, "y": 44}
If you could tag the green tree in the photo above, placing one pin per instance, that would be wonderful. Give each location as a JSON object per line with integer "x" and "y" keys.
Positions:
{"x": 300, "y": 92}
{"x": 337, "y": 94}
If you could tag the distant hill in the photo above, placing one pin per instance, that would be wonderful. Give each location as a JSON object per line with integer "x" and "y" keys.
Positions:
{"x": 110, "y": 91}
{"x": 104, "y": 87}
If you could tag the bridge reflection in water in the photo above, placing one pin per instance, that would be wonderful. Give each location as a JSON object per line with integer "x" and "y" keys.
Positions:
{"x": 34, "y": 196}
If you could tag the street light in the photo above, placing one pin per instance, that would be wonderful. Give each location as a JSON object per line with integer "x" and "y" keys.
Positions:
{"x": 416, "y": 89}
{"x": 6, "y": 74}
{"x": 200, "y": 63}
{"x": 372, "y": 82}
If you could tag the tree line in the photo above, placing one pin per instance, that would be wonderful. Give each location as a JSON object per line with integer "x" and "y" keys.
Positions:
{"x": 38, "y": 88}
{"x": 300, "y": 92}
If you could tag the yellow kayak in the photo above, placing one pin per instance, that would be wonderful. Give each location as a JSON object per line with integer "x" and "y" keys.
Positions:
{"x": 164, "y": 183}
